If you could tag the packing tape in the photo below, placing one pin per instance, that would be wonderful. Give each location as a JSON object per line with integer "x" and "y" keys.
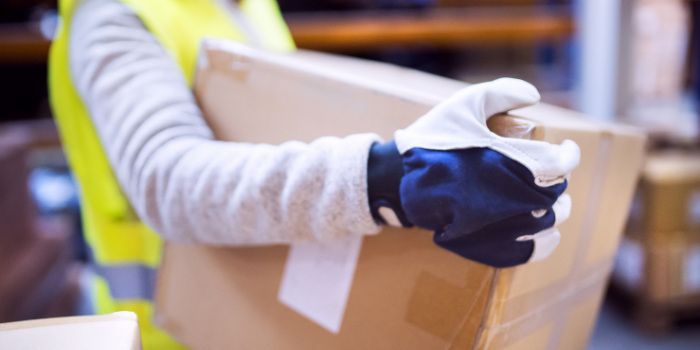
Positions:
{"x": 514, "y": 308}
{"x": 527, "y": 313}
{"x": 443, "y": 308}
{"x": 456, "y": 313}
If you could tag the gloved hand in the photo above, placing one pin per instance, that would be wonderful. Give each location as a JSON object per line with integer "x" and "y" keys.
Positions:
{"x": 491, "y": 199}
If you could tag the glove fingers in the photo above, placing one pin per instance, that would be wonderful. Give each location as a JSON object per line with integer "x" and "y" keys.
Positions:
{"x": 565, "y": 158}
{"x": 562, "y": 209}
{"x": 547, "y": 240}
{"x": 460, "y": 121}
{"x": 506, "y": 243}
{"x": 549, "y": 163}
{"x": 440, "y": 187}
{"x": 495, "y": 97}
{"x": 494, "y": 252}
{"x": 545, "y": 243}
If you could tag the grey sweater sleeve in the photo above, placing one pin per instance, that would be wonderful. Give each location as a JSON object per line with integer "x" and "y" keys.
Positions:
{"x": 183, "y": 183}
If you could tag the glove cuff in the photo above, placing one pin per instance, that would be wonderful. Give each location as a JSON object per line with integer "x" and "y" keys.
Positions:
{"x": 384, "y": 173}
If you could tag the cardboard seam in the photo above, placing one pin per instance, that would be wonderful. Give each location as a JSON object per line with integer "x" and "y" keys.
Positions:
{"x": 587, "y": 231}
{"x": 551, "y": 291}
{"x": 596, "y": 276}
{"x": 459, "y": 329}
{"x": 591, "y": 215}
{"x": 162, "y": 279}
{"x": 489, "y": 302}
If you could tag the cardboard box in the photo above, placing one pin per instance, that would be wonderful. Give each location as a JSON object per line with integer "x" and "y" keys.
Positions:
{"x": 117, "y": 331}
{"x": 666, "y": 272}
{"x": 668, "y": 199}
{"x": 407, "y": 293}
{"x": 660, "y": 258}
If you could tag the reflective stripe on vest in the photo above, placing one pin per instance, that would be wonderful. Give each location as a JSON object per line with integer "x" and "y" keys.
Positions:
{"x": 129, "y": 281}
{"x": 236, "y": 16}
{"x": 127, "y": 251}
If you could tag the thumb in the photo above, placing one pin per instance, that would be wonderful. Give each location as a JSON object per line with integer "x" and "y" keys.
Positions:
{"x": 460, "y": 121}
{"x": 499, "y": 96}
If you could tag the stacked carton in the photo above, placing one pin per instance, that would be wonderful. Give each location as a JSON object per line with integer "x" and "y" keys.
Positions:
{"x": 659, "y": 260}
{"x": 406, "y": 293}
{"x": 655, "y": 43}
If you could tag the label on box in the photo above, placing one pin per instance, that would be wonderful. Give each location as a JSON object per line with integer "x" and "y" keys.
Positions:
{"x": 317, "y": 279}
{"x": 694, "y": 208}
{"x": 691, "y": 270}
{"x": 629, "y": 263}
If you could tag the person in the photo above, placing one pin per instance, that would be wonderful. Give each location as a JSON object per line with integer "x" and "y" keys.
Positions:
{"x": 150, "y": 169}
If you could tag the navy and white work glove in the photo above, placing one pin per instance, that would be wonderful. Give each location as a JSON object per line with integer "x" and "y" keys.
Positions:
{"x": 490, "y": 199}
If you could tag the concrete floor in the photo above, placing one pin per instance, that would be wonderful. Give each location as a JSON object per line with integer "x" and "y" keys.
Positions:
{"x": 614, "y": 331}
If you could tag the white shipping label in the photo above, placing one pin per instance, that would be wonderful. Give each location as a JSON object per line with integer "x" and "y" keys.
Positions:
{"x": 691, "y": 270}
{"x": 317, "y": 279}
{"x": 629, "y": 263}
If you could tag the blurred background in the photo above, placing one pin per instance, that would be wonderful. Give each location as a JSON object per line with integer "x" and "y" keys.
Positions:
{"x": 629, "y": 61}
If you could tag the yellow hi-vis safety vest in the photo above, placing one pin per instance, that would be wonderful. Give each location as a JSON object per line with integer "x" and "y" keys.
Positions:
{"x": 126, "y": 251}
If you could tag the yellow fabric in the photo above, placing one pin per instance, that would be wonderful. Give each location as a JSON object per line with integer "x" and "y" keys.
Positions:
{"x": 85, "y": 154}
{"x": 182, "y": 40}
{"x": 115, "y": 235}
{"x": 269, "y": 24}
{"x": 151, "y": 336}
{"x": 119, "y": 241}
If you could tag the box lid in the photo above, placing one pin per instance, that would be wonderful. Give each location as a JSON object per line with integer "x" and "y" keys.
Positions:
{"x": 672, "y": 166}
{"x": 117, "y": 331}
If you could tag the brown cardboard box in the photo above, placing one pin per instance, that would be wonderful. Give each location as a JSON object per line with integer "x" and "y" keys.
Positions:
{"x": 660, "y": 258}
{"x": 672, "y": 269}
{"x": 658, "y": 282}
{"x": 407, "y": 293}
{"x": 669, "y": 195}
{"x": 117, "y": 331}
{"x": 665, "y": 272}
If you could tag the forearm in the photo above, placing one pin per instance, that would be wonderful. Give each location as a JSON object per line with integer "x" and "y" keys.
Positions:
{"x": 186, "y": 185}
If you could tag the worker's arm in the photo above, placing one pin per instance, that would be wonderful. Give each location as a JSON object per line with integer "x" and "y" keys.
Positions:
{"x": 487, "y": 198}
{"x": 182, "y": 182}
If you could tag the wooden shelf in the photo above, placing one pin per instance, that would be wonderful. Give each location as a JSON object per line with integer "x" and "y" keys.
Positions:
{"x": 368, "y": 30}
{"x": 448, "y": 28}
{"x": 22, "y": 44}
